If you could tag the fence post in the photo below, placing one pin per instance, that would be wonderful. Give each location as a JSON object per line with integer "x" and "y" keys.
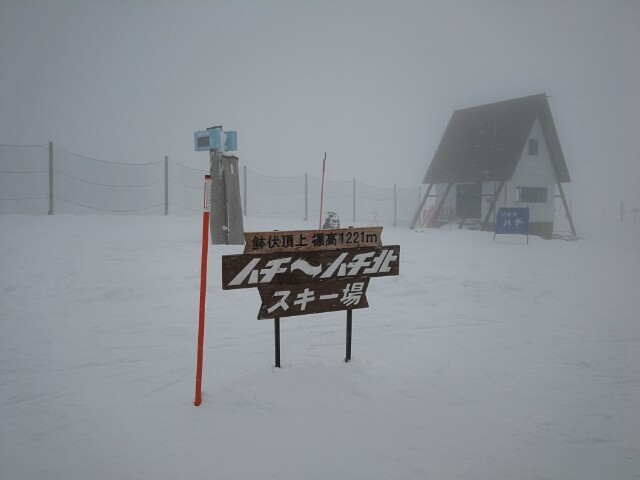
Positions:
{"x": 354, "y": 199}
{"x": 306, "y": 197}
{"x": 50, "y": 178}
{"x": 244, "y": 189}
{"x": 395, "y": 205}
{"x": 166, "y": 185}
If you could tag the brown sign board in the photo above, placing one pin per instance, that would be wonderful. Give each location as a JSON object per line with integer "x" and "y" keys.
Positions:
{"x": 291, "y": 268}
{"x": 311, "y": 240}
{"x": 302, "y": 299}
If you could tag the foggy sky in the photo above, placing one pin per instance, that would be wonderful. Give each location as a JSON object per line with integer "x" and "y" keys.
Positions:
{"x": 372, "y": 83}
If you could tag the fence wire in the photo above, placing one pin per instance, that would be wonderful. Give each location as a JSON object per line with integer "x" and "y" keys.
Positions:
{"x": 85, "y": 185}
{"x": 24, "y": 179}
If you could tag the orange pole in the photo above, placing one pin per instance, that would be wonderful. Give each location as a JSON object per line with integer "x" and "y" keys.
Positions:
{"x": 203, "y": 289}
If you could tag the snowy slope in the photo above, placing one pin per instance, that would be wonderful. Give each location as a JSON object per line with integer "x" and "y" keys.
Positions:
{"x": 482, "y": 360}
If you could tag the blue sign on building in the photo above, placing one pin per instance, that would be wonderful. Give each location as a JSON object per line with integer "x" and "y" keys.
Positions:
{"x": 512, "y": 220}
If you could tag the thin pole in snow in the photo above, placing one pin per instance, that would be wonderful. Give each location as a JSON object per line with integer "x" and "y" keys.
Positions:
{"x": 166, "y": 185}
{"x": 306, "y": 197}
{"x": 324, "y": 164}
{"x": 50, "y": 178}
{"x": 203, "y": 287}
{"x": 354, "y": 199}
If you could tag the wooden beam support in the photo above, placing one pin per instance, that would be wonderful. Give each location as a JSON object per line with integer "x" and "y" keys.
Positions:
{"x": 492, "y": 207}
{"x": 566, "y": 209}
{"x": 434, "y": 218}
{"x": 420, "y": 207}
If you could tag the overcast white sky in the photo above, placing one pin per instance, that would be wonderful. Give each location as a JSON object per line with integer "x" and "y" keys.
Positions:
{"x": 373, "y": 83}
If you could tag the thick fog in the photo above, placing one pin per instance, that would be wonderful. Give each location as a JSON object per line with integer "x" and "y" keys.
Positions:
{"x": 372, "y": 83}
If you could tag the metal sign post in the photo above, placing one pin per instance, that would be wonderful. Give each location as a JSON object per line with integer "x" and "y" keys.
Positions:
{"x": 276, "y": 327}
{"x": 349, "y": 330}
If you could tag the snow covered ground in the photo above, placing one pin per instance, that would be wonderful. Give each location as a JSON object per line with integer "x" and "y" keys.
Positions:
{"x": 482, "y": 360}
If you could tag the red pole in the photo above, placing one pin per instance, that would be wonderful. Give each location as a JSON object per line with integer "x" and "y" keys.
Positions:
{"x": 203, "y": 287}
{"x": 324, "y": 163}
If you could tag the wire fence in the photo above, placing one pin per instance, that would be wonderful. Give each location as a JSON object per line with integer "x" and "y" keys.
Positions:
{"x": 41, "y": 179}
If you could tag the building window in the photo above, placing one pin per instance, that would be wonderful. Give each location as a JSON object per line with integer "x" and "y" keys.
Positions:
{"x": 531, "y": 194}
{"x": 533, "y": 147}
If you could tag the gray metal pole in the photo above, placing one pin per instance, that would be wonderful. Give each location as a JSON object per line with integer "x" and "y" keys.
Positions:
{"x": 354, "y": 199}
{"x": 50, "y": 178}
{"x": 306, "y": 197}
{"x": 395, "y": 205}
{"x": 166, "y": 185}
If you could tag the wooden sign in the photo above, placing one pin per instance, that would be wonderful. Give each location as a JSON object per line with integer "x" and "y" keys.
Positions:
{"x": 292, "y": 268}
{"x": 302, "y": 299}
{"x": 311, "y": 240}
{"x": 301, "y": 272}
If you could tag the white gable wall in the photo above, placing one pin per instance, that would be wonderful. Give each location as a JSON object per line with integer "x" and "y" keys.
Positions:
{"x": 534, "y": 171}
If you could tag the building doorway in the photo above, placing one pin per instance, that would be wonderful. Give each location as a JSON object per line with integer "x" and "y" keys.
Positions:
{"x": 469, "y": 200}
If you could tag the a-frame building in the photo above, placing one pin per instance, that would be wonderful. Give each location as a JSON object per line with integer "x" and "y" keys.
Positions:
{"x": 500, "y": 154}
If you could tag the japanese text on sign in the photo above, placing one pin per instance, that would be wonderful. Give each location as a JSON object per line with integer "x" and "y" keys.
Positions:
{"x": 302, "y": 299}
{"x": 512, "y": 220}
{"x": 245, "y": 271}
{"x": 310, "y": 240}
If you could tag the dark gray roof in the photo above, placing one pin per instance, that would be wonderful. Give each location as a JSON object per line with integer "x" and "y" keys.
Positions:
{"x": 484, "y": 143}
